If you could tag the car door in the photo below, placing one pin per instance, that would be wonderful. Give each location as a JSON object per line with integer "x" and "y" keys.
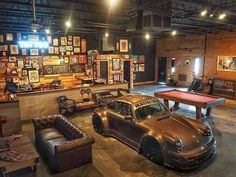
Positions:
{"x": 128, "y": 128}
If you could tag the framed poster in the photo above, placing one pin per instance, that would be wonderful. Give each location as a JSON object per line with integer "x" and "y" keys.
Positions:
{"x": 56, "y": 50}
{"x": 55, "y": 41}
{"x": 51, "y": 50}
{"x": 62, "y": 49}
{"x": 3, "y": 48}
{"x": 9, "y": 37}
{"x": 124, "y": 45}
{"x": 20, "y": 63}
{"x": 33, "y": 76}
{"x": 24, "y": 72}
{"x": 69, "y": 42}
{"x": 83, "y": 46}
{"x": 24, "y": 51}
{"x": 69, "y": 48}
{"x": 116, "y": 77}
{"x": 135, "y": 58}
{"x": 141, "y": 67}
{"x": 63, "y": 40}
{"x": 116, "y": 64}
{"x": 141, "y": 59}
{"x": 18, "y": 35}
{"x": 76, "y": 41}
{"x": 34, "y": 52}
{"x": 12, "y": 59}
{"x": 135, "y": 67}
{"x": 77, "y": 50}
{"x": 14, "y": 50}
{"x": 49, "y": 39}
{"x": 70, "y": 38}
{"x": 33, "y": 37}
{"x": 1, "y": 38}
{"x": 226, "y": 63}
{"x": 66, "y": 60}
{"x": 108, "y": 44}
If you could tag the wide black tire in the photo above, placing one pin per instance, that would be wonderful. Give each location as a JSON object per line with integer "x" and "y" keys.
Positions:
{"x": 97, "y": 124}
{"x": 152, "y": 150}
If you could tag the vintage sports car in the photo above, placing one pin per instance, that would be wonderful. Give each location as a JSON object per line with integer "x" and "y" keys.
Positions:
{"x": 145, "y": 124}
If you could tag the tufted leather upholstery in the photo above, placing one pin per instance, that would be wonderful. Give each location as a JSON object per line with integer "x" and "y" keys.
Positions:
{"x": 62, "y": 145}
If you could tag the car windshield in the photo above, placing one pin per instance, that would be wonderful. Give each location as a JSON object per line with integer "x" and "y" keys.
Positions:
{"x": 150, "y": 111}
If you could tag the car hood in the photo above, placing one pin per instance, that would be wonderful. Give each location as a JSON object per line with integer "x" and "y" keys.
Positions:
{"x": 175, "y": 127}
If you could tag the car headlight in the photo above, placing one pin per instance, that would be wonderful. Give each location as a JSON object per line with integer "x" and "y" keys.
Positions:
{"x": 179, "y": 145}
{"x": 207, "y": 131}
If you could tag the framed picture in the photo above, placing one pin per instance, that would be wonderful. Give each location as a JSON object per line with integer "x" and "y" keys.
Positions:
{"x": 3, "y": 48}
{"x": 56, "y": 50}
{"x": 82, "y": 59}
{"x": 116, "y": 77}
{"x": 141, "y": 59}
{"x": 66, "y": 60}
{"x": 70, "y": 38}
{"x": 69, "y": 42}
{"x": 51, "y": 50}
{"x": 1, "y": 38}
{"x": 24, "y": 72}
{"x": 9, "y": 37}
{"x": 55, "y": 41}
{"x": 14, "y": 50}
{"x": 34, "y": 52}
{"x": 20, "y": 63}
{"x": 63, "y": 40}
{"x": 18, "y": 35}
{"x": 33, "y": 37}
{"x": 108, "y": 44}
{"x": 83, "y": 45}
{"x": 135, "y": 58}
{"x": 141, "y": 67}
{"x": 33, "y": 76}
{"x": 135, "y": 67}
{"x": 3, "y": 64}
{"x": 49, "y": 39}
{"x": 73, "y": 60}
{"x": 226, "y": 63}
{"x": 116, "y": 64}
{"x": 12, "y": 59}
{"x": 62, "y": 49}
{"x": 76, "y": 41}
{"x": 77, "y": 50}
{"x": 117, "y": 46}
{"x": 124, "y": 45}
{"x": 24, "y": 51}
{"x": 68, "y": 53}
{"x": 69, "y": 48}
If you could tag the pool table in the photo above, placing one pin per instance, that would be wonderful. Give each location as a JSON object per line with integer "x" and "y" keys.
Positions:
{"x": 200, "y": 101}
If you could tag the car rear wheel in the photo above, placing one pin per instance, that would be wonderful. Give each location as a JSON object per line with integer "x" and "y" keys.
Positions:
{"x": 97, "y": 124}
{"x": 152, "y": 150}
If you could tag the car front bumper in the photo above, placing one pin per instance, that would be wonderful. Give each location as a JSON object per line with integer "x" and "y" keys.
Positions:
{"x": 191, "y": 159}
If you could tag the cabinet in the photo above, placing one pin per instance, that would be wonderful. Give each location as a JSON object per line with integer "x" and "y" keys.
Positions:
{"x": 225, "y": 88}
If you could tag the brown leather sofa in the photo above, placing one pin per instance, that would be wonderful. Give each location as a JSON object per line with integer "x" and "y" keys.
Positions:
{"x": 61, "y": 144}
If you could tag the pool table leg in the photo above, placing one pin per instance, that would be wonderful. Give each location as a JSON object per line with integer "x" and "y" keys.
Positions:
{"x": 208, "y": 112}
{"x": 198, "y": 113}
{"x": 166, "y": 103}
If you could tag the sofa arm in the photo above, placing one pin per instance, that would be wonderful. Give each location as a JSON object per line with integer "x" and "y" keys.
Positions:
{"x": 43, "y": 123}
{"x": 74, "y": 144}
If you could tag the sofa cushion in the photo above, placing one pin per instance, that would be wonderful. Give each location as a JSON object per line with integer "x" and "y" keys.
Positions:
{"x": 50, "y": 133}
{"x": 51, "y": 144}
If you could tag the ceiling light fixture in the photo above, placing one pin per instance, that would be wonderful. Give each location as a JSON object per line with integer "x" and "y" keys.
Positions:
{"x": 174, "y": 32}
{"x": 34, "y": 30}
{"x": 68, "y": 24}
{"x": 113, "y": 3}
{"x": 211, "y": 15}
{"x": 147, "y": 36}
{"x": 106, "y": 34}
{"x": 222, "y": 16}
{"x": 203, "y": 13}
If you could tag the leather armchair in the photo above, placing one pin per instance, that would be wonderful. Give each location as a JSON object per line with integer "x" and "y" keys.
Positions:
{"x": 66, "y": 105}
{"x": 61, "y": 144}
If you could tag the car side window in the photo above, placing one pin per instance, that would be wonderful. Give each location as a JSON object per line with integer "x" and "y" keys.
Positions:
{"x": 112, "y": 106}
{"x": 123, "y": 108}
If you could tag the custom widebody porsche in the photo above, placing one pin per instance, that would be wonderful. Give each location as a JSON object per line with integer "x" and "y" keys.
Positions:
{"x": 145, "y": 124}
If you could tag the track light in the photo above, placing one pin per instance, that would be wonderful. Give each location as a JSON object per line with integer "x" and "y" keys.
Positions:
{"x": 174, "y": 32}
{"x": 34, "y": 30}
{"x": 113, "y": 3}
{"x": 222, "y": 16}
{"x": 147, "y": 36}
{"x": 106, "y": 34}
{"x": 203, "y": 13}
{"x": 211, "y": 15}
{"x": 47, "y": 31}
{"x": 68, "y": 24}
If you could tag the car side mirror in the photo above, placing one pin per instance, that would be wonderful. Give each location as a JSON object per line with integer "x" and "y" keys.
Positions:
{"x": 129, "y": 118}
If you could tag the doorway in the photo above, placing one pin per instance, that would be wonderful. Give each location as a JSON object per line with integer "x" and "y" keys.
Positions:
{"x": 162, "y": 69}
{"x": 104, "y": 70}
{"x": 127, "y": 72}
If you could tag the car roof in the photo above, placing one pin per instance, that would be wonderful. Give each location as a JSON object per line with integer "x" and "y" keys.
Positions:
{"x": 109, "y": 90}
{"x": 134, "y": 99}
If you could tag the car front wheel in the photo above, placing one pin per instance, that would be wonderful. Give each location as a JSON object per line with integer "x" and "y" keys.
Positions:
{"x": 152, "y": 150}
{"x": 97, "y": 124}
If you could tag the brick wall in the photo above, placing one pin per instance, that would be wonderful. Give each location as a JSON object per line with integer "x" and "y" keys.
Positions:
{"x": 190, "y": 47}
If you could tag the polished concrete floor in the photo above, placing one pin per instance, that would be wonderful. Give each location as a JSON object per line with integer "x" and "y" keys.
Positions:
{"x": 111, "y": 158}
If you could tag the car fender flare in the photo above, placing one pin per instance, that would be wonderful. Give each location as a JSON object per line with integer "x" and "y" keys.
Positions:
{"x": 103, "y": 118}
{"x": 149, "y": 135}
